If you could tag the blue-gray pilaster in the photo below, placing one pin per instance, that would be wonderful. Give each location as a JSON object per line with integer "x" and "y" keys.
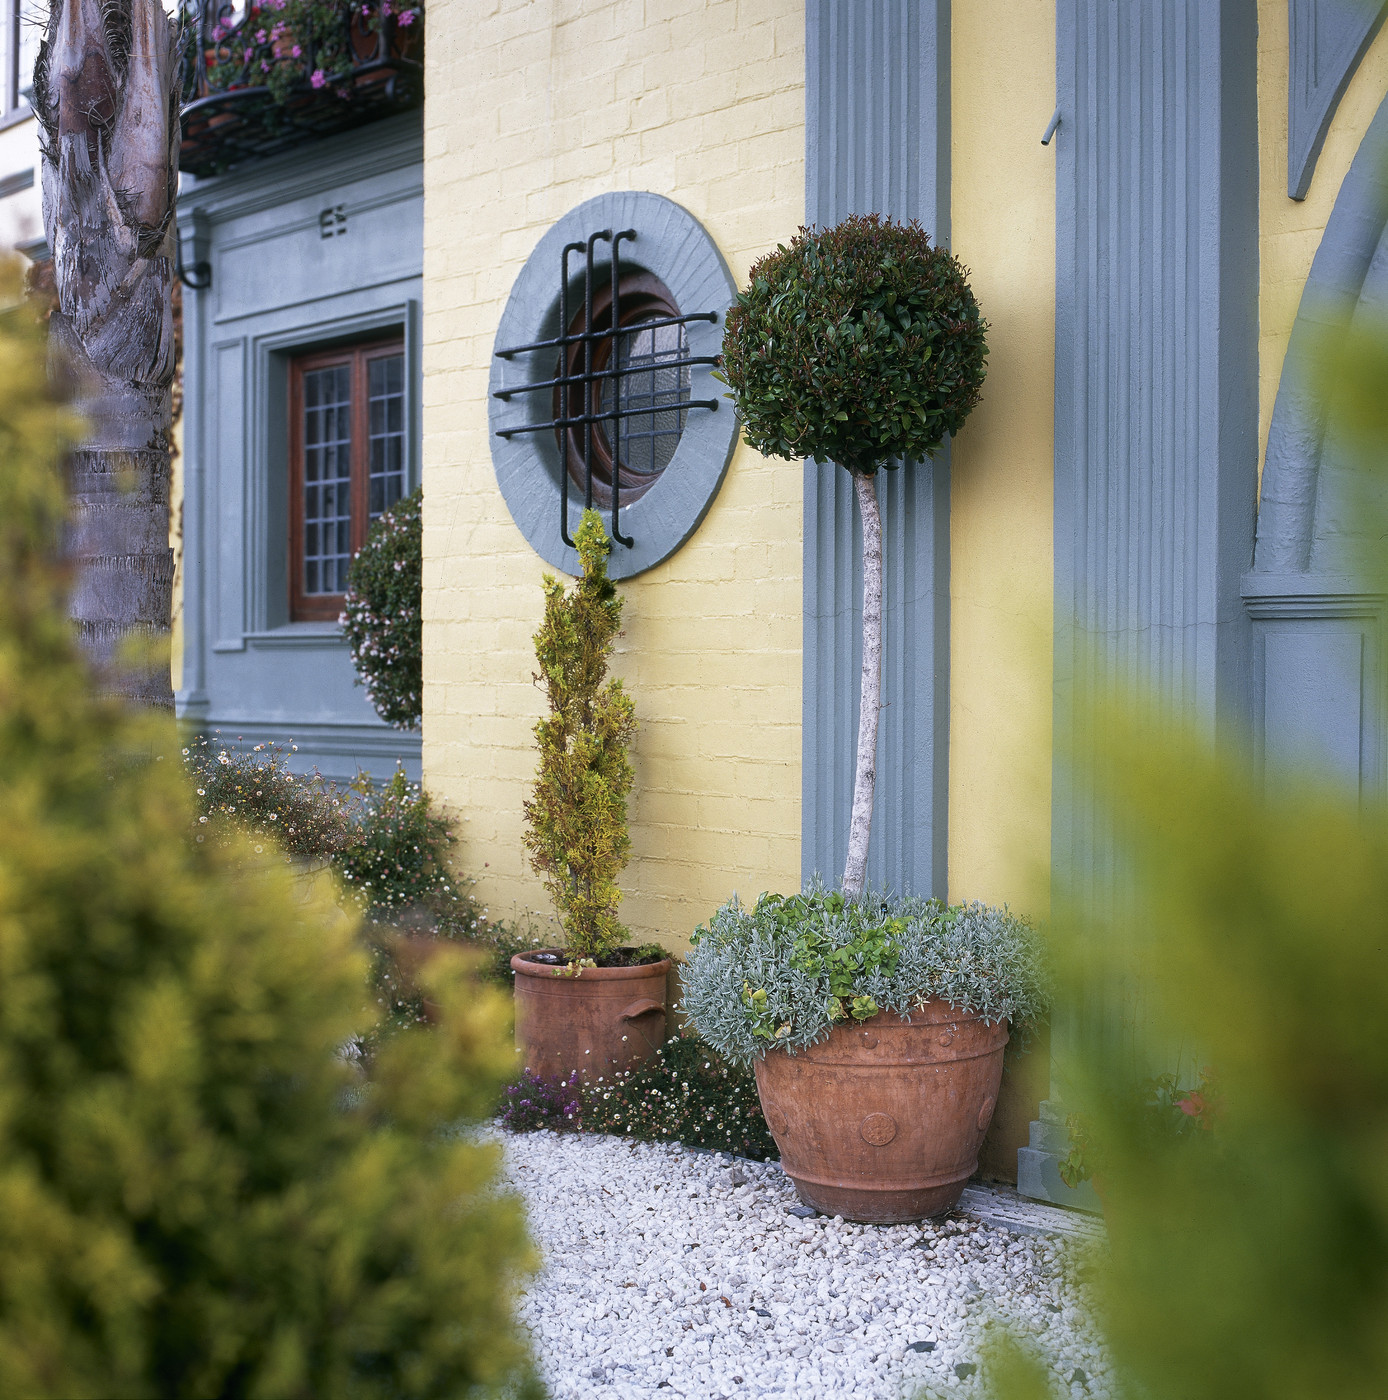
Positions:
{"x": 877, "y": 142}
{"x": 1318, "y": 638}
{"x": 1156, "y": 393}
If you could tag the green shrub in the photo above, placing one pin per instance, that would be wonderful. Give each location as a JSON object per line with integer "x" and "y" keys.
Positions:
{"x": 783, "y": 972}
{"x": 255, "y": 792}
{"x": 859, "y": 344}
{"x": 198, "y": 1196}
{"x": 382, "y": 613}
{"x": 576, "y": 815}
{"x": 684, "y": 1093}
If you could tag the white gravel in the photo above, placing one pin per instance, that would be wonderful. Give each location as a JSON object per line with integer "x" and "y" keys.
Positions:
{"x": 668, "y": 1272}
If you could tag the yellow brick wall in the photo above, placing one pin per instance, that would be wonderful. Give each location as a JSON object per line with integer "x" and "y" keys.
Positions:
{"x": 534, "y": 107}
{"x": 1290, "y": 230}
{"x": 1001, "y": 554}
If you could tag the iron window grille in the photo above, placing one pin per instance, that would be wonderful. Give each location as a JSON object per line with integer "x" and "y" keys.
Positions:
{"x": 620, "y": 388}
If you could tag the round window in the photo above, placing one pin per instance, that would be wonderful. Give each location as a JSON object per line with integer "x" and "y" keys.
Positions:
{"x": 580, "y": 405}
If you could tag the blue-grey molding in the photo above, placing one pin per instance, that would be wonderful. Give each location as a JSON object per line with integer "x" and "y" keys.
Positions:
{"x": 877, "y": 134}
{"x": 1327, "y": 39}
{"x": 1155, "y": 398}
{"x": 1318, "y": 627}
{"x": 671, "y": 243}
{"x": 279, "y": 287}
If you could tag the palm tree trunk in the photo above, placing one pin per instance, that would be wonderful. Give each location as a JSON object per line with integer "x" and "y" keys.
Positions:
{"x": 106, "y": 92}
{"x": 870, "y": 697}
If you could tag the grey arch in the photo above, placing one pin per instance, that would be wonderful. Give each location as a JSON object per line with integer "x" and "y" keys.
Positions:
{"x": 1300, "y": 518}
{"x": 672, "y": 244}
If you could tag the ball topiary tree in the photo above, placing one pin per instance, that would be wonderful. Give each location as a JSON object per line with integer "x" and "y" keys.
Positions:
{"x": 859, "y": 344}
{"x": 199, "y": 1195}
{"x": 576, "y": 816}
{"x": 382, "y": 613}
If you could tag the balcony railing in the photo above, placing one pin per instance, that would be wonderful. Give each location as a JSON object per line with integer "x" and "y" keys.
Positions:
{"x": 262, "y": 76}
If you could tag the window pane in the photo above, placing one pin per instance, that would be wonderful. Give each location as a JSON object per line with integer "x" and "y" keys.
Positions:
{"x": 652, "y": 397}
{"x": 386, "y": 430}
{"x": 327, "y": 445}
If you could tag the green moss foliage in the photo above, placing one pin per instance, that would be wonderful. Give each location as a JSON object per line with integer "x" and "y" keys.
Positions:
{"x": 198, "y": 1194}
{"x": 785, "y": 971}
{"x": 860, "y": 344}
{"x": 382, "y": 614}
{"x": 576, "y": 815}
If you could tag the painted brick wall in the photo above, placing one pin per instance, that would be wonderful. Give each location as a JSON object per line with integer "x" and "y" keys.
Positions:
{"x": 534, "y": 107}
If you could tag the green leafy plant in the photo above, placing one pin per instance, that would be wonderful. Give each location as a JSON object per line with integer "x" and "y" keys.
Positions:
{"x": 784, "y": 972}
{"x": 576, "y": 815}
{"x": 382, "y": 613}
{"x": 199, "y": 1195}
{"x": 860, "y": 344}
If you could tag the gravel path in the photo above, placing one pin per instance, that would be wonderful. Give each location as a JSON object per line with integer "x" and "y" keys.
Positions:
{"x": 671, "y": 1272}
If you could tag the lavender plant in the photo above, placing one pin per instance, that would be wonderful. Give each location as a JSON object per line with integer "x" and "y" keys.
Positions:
{"x": 785, "y": 971}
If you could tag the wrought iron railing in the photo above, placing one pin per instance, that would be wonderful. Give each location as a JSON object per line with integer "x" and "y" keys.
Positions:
{"x": 262, "y": 76}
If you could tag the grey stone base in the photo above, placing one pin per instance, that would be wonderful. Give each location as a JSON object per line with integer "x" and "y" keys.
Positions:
{"x": 1038, "y": 1165}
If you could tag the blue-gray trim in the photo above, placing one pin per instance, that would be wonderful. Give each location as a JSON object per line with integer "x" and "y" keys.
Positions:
{"x": 1156, "y": 388}
{"x": 1327, "y": 39}
{"x": 671, "y": 243}
{"x": 279, "y": 287}
{"x": 877, "y": 118}
{"x": 1318, "y": 634}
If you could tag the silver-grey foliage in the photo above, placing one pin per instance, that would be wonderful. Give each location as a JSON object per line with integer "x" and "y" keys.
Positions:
{"x": 980, "y": 959}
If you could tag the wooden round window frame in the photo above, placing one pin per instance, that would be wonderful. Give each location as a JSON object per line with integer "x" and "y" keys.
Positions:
{"x": 644, "y": 297}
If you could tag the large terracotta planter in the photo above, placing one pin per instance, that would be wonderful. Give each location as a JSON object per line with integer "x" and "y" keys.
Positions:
{"x": 604, "y": 1019}
{"x": 882, "y": 1121}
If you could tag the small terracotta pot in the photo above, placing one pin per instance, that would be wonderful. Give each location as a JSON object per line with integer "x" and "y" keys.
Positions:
{"x": 882, "y": 1121}
{"x": 606, "y": 1018}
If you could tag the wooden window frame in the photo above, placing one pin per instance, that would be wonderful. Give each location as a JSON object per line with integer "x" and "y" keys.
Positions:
{"x": 326, "y": 607}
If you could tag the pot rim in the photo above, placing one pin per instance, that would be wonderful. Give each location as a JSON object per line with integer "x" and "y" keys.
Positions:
{"x": 894, "y": 1021}
{"x": 522, "y": 965}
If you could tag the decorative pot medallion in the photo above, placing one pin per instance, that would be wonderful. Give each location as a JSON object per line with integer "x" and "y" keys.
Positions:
{"x": 985, "y": 1114}
{"x": 878, "y": 1129}
{"x": 776, "y": 1121}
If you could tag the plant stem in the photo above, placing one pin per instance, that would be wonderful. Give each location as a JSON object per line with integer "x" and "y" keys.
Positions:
{"x": 870, "y": 699}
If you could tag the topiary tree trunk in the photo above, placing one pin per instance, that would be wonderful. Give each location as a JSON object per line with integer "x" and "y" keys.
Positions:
{"x": 870, "y": 689}
{"x": 106, "y": 93}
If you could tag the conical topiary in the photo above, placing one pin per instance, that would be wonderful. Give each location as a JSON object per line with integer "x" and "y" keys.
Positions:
{"x": 198, "y": 1195}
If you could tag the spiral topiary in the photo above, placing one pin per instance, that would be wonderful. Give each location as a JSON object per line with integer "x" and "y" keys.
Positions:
{"x": 382, "y": 614}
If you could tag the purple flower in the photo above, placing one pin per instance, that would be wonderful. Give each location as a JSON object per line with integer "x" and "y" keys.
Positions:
{"x": 405, "y": 19}
{"x": 262, "y": 37}
{"x": 298, "y": 52}
{"x": 319, "y": 78}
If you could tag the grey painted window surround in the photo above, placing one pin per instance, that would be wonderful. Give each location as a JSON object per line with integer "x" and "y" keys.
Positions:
{"x": 877, "y": 140}
{"x": 1155, "y": 402}
{"x": 1318, "y": 643}
{"x": 284, "y": 280}
{"x": 673, "y": 245}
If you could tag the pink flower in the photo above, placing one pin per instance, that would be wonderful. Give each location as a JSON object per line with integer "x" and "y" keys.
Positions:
{"x": 404, "y": 20}
{"x": 319, "y": 78}
{"x": 261, "y": 37}
{"x": 298, "y": 53}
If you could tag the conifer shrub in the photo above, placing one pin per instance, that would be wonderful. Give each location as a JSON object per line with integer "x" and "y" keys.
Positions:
{"x": 198, "y": 1194}
{"x": 576, "y": 815}
{"x": 382, "y": 613}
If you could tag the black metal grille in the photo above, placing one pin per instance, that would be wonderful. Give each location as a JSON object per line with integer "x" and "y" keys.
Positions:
{"x": 643, "y": 389}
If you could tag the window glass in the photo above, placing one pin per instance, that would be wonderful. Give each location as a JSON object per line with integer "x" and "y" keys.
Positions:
{"x": 347, "y": 464}
{"x": 652, "y": 392}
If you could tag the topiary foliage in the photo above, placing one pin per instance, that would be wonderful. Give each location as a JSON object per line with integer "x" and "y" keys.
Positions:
{"x": 576, "y": 816}
{"x": 382, "y": 613}
{"x": 198, "y": 1195}
{"x": 860, "y": 344}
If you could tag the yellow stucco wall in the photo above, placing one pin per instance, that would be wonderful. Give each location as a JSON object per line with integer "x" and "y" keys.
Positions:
{"x": 1001, "y": 552}
{"x": 534, "y": 106}
{"x": 1290, "y": 230}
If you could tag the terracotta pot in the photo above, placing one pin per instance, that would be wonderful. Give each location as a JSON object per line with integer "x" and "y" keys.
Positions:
{"x": 882, "y": 1121}
{"x": 604, "y": 1019}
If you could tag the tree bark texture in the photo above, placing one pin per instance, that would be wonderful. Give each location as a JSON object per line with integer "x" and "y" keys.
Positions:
{"x": 106, "y": 92}
{"x": 870, "y": 698}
